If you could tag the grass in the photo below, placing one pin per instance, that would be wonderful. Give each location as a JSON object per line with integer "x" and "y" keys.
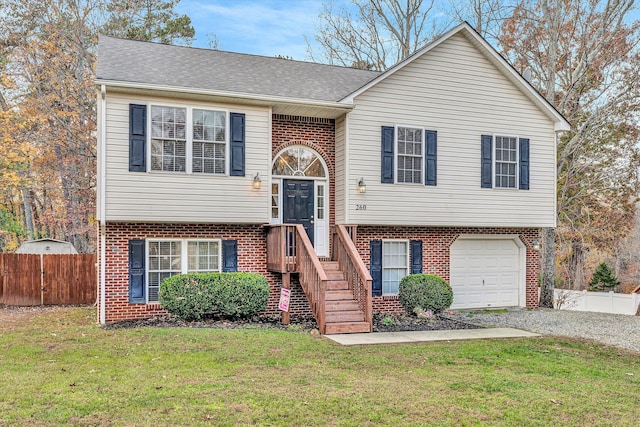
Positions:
{"x": 60, "y": 368}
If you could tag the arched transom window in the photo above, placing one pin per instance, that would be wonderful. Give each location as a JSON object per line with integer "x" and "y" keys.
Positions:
{"x": 298, "y": 161}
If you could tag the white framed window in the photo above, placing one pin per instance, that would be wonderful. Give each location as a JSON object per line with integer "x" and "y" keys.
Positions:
{"x": 505, "y": 165}
{"x": 320, "y": 201}
{"x": 395, "y": 264}
{"x": 168, "y": 139}
{"x": 169, "y": 257}
{"x": 275, "y": 199}
{"x": 209, "y": 141}
{"x": 188, "y": 140}
{"x": 410, "y": 154}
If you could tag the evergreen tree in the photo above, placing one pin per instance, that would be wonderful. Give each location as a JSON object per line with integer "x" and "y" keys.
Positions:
{"x": 603, "y": 279}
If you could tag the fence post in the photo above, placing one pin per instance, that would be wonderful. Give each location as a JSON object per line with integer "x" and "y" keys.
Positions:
{"x": 41, "y": 279}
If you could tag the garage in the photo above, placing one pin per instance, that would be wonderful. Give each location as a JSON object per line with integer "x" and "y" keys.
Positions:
{"x": 486, "y": 272}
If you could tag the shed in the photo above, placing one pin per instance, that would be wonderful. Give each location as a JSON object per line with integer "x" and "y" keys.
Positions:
{"x": 46, "y": 246}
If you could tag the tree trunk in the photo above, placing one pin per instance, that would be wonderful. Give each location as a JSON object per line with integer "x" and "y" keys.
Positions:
{"x": 576, "y": 266}
{"x": 548, "y": 267}
{"x": 28, "y": 213}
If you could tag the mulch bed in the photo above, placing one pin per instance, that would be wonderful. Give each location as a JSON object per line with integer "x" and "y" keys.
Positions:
{"x": 382, "y": 322}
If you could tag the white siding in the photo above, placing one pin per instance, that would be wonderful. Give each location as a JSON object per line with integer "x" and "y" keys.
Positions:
{"x": 180, "y": 197}
{"x": 456, "y": 91}
{"x": 340, "y": 170}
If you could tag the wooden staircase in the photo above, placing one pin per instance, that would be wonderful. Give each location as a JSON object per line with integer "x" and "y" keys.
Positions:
{"x": 342, "y": 312}
{"x": 338, "y": 291}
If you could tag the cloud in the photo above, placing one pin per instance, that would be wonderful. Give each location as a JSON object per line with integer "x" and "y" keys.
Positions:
{"x": 253, "y": 26}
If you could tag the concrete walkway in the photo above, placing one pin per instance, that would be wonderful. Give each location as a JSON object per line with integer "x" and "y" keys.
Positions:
{"x": 422, "y": 336}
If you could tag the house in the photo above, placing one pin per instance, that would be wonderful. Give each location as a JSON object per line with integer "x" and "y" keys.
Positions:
{"x": 46, "y": 246}
{"x": 219, "y": 161}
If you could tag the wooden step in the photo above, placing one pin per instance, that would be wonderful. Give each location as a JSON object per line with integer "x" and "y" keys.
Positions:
{"x": 341, "y": 305}
{"x": 338, "y": 295}
{"x": 337, "y": 285}
{"x": 347, "y": 327}
{"x": 334, "y": 275}
{"x": 344, "y": 316}
{"x": 330, "y": 265}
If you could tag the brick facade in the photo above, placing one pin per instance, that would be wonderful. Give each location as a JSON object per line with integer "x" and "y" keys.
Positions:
{"x": 252, "y": 257}
{"x": 436, "y": 243}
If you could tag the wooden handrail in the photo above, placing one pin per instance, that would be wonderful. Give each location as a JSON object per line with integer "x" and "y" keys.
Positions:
{"x": 289, "y": 249}
{"x": 355, "y": 271}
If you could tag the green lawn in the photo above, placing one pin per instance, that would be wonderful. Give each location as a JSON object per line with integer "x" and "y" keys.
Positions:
{"x": 60, "y": 368}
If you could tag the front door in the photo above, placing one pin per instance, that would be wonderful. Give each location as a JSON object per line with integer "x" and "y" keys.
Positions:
{"x": 298, "y": 204}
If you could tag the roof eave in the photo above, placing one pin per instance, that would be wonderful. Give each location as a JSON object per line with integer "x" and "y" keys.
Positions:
{"x": 266, "y": 99}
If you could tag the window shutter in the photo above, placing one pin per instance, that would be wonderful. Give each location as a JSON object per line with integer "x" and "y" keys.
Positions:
{"x": 136, "y": 272}
{"x": 229, "y": 255}
{"x": 237, "y": 144}
{"x": 487, "y": 160}
{"x": 375, "y": 261}
{"x": 416, "y": 256}
{"x": 387, "y": 154}
{"x": 524, "y": 163}
{"x": 431, "y": 152}
{"x": 137, "y": 138}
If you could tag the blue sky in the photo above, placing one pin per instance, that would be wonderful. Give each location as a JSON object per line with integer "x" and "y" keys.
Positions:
{"x": 262, "y": 27}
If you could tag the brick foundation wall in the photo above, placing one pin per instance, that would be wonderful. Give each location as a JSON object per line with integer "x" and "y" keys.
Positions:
{"x": 252, "y": 257}
{"x": 436, "y": 242}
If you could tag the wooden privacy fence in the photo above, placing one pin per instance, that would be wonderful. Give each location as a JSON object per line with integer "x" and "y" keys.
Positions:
{"x": 33, "y": 279}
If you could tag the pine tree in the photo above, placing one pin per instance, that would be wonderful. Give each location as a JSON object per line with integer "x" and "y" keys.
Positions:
{"x": 603, "y": 279}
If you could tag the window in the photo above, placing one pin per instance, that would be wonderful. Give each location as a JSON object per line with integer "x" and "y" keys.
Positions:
{"x": 275, "y": 200}
{"x": 209, "y": 141}
{"x": 164, "y": 261}
{"x": 166, "y": 258}
{"x": 506, "y": 163}
{"x": 409, "y": 161}
{"x": 320, "y": 202}
{"x": 395, "y": 264}
{"x": 168, "y": 139}
{"x": 173, "y": 137}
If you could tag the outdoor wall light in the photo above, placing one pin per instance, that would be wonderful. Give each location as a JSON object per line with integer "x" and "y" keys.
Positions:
{"x": 536, "y": 245}
{"x": 257, "y": 182}
{"x": 362, "y": 187}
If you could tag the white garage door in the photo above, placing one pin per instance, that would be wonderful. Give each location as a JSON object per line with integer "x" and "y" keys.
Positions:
{"x": 485, "y": 273}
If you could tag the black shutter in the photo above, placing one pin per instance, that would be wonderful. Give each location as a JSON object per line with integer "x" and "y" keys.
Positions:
{"x": 387, "y": 154}
{"x": 416, "y": 256}
{"x": 136, "y": 272}
{"x": 431, "y": 159}
{"x": 137, "y": 138}
{"x": 487, "y": 160}
{"x": 237, "y": 144}
{"x": 229, "y": 255}
{"x": 375, "y": 261}
{"x": 524, "y": 163}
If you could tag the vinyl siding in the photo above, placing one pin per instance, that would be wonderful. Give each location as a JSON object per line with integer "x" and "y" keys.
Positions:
{"x": 340, "y": 171}
{"x": 180, "y": 197}
{"x": 456, "y": 91}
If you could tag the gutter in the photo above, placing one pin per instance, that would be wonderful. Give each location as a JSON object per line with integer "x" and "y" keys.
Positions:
{"x": 102, "y": 196}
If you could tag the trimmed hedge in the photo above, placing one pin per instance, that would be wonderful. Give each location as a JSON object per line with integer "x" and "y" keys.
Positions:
{"x": 424, "y": 291}
{"x": 197, "y": 295}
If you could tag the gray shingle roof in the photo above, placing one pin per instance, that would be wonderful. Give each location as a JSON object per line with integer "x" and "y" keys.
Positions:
{"x": 203, "y": 69}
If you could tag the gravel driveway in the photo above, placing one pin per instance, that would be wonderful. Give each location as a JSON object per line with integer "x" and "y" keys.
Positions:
{"x": 613, "y": 329}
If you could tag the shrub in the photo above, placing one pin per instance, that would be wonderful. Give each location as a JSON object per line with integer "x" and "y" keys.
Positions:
{"x": 424, "y": 292}
{"x": 197, "y": 295}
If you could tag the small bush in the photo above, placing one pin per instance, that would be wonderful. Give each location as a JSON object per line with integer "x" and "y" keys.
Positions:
{"x": 424, "y": 292}
{"x": 198, "y": 295}
{"x": 603, "y": 279}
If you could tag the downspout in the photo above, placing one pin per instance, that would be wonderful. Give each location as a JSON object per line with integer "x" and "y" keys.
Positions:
{"x": 102, "y": 190}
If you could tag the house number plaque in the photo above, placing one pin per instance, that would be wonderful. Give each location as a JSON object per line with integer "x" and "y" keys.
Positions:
{"x": 361, "y": 207}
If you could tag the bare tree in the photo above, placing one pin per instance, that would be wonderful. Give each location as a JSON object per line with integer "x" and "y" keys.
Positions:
{"x": 585, "y": 61}
{"x": 486, "y": 16}
{"x": 374, "y": 34}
